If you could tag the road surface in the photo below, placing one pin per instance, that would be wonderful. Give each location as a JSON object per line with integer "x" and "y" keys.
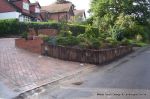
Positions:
{"x": 130, "y": 79}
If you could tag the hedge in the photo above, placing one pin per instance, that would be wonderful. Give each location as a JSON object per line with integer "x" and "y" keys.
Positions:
{"x": 14, "y": 27}
{"x": 79, "y": 29}
{"x": 9, "y": 27}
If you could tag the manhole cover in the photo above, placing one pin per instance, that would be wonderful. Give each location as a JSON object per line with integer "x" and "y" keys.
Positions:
{"x": 133, "y": 56}
{"x": 78, "y": 83}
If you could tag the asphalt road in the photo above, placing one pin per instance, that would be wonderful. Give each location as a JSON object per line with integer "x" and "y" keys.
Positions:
{"x": 130, "y": 80}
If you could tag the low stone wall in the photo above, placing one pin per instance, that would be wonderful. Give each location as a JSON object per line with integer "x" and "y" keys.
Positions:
{"x": 30, "y": 45}
{"x": 85, "y": 56}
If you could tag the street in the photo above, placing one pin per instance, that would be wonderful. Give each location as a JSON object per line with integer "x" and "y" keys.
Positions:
{"x": 130, "y": 80}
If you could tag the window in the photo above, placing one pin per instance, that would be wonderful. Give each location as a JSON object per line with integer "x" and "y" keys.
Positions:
{"x": 25, "y": 6}
{"x": 37, "y": 10}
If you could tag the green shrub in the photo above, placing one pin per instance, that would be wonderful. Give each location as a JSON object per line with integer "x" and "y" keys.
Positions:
{"x": 45, "y": 38}
{"x": 83, "y": 45}
{"x": 95, "y": 43}
{"x": 134, "y": 42}
{"x": 24, "y": 35}
{"x": 113, "y": 43}
{"x": 43, "y": 25}
{"x": 125, "y": 42}
{"x": 77, "y": 29}
{"x": 52, "y": 41}
{"x": 9, "y": 27}
{"x": 67, "y": 41}
{"x": 139, "y": 37}
{"x": 14, "y": 27}
{"x": 117, "y": 33}
{"x": 80, "y": 29}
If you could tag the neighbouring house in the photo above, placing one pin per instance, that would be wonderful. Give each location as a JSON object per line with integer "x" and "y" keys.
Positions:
{"x": 62, "y": 10}
{"x": 22, "y": 10}
{"x": 35, "y": 11}
{"x": 45, "y": 15}
{"x": 25, "y": 11}
{"x": 79, "y": 15}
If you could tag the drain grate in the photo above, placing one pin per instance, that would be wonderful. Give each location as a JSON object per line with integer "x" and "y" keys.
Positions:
{"x": 78, "y": 83}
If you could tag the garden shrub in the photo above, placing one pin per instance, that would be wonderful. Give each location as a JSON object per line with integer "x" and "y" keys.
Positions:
{"x": 96, "y": 43}
{"x": 125, "y": 42}
{"x": 14, "y": 27}
{"x": 43, "y": 25}
{"x": 77, "y": 29}
{"x": 80, "y": 29}
{"x": 112, "y": 42}
{"x": 45, "y": 38}
{"x": 139, "y": 37}
{"x": 9, "y": 27}
{"x": 24, "y": 35}
{"x": 117, "y": 33}
{"x": 67, "y": 41}
{"x": 89, "y": 39}
{"x": 52, "y": 41}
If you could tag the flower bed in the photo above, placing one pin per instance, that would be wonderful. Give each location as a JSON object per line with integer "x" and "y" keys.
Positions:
{"x": 85, "y": 55}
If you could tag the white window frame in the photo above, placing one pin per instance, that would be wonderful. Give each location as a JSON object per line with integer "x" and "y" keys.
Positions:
{"x": 37, "y": 10}
{"x": 25, "y": 6}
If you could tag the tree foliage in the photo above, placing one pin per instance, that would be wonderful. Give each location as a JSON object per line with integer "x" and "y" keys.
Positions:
{"x": 118, "y": 18}
{"x": 107, "y": 11}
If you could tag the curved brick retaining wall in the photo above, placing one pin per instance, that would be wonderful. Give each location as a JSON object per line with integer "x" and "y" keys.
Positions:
{"x": 85, "y": 56}
{"x": 30, "y": 45}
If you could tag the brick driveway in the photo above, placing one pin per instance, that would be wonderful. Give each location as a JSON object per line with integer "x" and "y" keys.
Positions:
{"x": 21, "y": 70}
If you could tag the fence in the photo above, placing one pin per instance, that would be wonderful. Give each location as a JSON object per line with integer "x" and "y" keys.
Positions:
{"x": 85, "y": 55}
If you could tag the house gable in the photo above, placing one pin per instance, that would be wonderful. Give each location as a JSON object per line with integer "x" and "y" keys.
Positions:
{"x": 22, "y": 5}
{"x": 35, "y": 7}
{"x": 20, "y": 9}
{"x": 60, "y": 10}
{"x": 6, "y": 7}
{"x": 79, "y": 15}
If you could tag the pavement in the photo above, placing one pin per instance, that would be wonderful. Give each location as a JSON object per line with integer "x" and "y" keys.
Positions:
{"x": 127, "y": 78}
{"x": 22, "y": 71}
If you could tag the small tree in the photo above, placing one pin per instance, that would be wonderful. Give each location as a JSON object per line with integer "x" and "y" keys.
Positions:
{"x": 106, "y": 11}
{"x": 118, "y": 17}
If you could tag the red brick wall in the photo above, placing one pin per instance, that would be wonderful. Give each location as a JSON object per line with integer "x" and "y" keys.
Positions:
{"x": 32, "y": 32}
{"x": 49, "y": 32}
{"x": 53, "y": 17}
{"x": 59, "y": 16}
{"x": 30, "y": 45}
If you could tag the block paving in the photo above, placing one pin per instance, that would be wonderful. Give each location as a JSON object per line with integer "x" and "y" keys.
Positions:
{"x": 21, "y": 70}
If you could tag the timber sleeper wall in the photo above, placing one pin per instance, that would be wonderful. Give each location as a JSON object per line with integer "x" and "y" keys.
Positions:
{"x": 85, "y": 55}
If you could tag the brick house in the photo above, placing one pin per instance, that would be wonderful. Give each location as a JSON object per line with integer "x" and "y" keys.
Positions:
{"x": 22, "y": 10}
{"x": 61, "y": 10}
{"x": 79, "y": 15}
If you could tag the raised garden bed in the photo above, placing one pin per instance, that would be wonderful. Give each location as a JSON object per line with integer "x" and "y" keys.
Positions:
{"x": 85, "y": 55}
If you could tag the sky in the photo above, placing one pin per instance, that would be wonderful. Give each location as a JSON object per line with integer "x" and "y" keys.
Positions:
{"x": 80, "y": 4}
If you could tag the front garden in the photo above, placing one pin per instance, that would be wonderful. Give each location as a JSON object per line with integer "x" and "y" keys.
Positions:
{"x": 109, "y": 33}
{"x": 81, "y": 43}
